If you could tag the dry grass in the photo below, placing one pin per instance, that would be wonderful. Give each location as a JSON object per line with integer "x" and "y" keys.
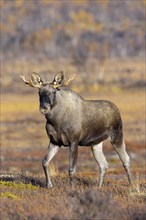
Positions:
{"x": 64, "y": 201}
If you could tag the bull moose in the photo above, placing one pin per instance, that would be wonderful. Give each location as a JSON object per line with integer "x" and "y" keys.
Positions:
{"x": 72, "y": 121}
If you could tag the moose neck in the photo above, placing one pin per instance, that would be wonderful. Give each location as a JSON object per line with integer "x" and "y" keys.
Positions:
{"x": 60, "y": 106}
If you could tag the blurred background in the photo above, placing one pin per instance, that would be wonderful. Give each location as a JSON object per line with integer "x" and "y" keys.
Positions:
{"x": 102, "y": 42}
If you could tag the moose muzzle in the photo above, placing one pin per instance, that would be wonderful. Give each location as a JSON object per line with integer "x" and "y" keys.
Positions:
{"x": 45, "y": 110}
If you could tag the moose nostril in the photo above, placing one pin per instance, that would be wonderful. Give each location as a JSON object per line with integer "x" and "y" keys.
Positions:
{"x": 44, "y": 109}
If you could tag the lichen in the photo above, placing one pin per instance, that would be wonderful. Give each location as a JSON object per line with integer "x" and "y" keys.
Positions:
{"x": 18, "y": 185}
{"x": 9, "y": 195}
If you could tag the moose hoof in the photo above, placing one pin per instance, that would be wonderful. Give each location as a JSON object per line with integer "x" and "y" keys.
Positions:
{"x": 49, "y": 185}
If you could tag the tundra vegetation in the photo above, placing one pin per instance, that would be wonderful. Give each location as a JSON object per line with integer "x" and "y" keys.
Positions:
{"x": 103, "y": 43}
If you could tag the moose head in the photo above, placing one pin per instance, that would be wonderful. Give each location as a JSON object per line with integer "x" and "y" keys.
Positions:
{"x": 47, "y": 90}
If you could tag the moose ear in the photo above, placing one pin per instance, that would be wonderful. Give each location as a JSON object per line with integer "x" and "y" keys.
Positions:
{"x": 59, "y": 79}
{"x": 36, "y": 80}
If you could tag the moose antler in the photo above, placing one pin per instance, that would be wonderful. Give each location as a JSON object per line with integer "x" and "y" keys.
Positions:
{"x": 34, "y": 81}
{"x": 26, "y": 82}
{"x": 70, "y": 79}
{"x": 60, "y": 80}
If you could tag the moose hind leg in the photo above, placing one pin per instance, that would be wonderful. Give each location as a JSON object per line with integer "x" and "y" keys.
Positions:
{"x": 120, "y": 148}
{"x": 101, "y": 161}
{"x": 52, "y": 151}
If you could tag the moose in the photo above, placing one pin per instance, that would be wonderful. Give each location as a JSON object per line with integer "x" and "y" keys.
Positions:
{"x": 72, "y": 121}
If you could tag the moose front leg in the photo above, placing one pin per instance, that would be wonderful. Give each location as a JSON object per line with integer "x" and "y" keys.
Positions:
{"x": 73, "y": 155}
{"x": 52, "y": 151}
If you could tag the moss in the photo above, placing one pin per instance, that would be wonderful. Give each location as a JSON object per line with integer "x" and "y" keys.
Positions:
{"x": 9, "y": 195}
{"x": 19, "y": 185}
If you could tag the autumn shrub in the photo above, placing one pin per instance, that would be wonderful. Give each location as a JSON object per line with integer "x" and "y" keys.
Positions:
{"x": 93, "y": 204}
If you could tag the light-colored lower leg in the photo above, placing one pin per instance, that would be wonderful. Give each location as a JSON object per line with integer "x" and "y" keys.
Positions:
{"x": 121, "y": 151}
{"x": 100, "y": 159}
{"x": 52, "y": 151}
